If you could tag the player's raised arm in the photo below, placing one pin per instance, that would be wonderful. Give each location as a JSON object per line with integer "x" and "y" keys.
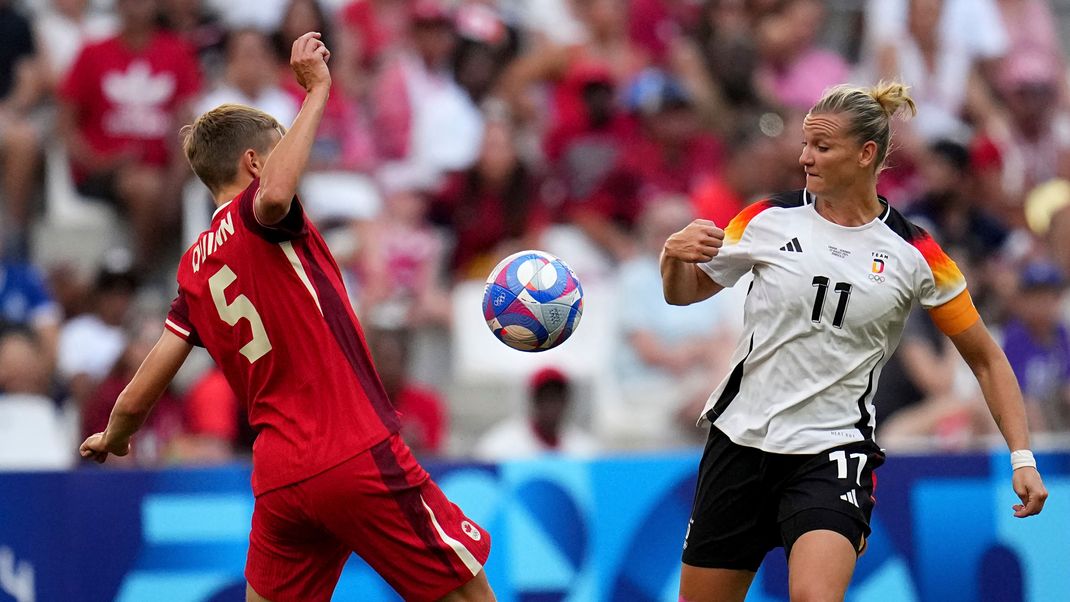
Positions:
{"x": 286, "y": 164}
{"x": 138, "y": 398}
{"x": 682, "y": 282}
{"x": 1004, "y": 399}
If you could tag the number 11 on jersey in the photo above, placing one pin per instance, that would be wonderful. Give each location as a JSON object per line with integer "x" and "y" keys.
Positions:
{"x": 842, "y": 288}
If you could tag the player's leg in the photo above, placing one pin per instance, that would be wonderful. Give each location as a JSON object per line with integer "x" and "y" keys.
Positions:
{"x": 291, "y": 557}
{"x": 385, "y": 508}
{"x": 476, "y": 590}
{"x": 820, "y": 567}
{"x": 826, "y": 505}
{"x": 732, "y": 526}
{"x": 699, "y": 584}
{"x": 252, "y": 596}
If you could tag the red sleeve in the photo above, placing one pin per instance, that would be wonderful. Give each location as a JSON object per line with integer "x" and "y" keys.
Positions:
{"x": 292, "y": 226}
{"x": 178, "y": 320}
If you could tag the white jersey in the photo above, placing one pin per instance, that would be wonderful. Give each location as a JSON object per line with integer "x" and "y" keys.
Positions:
{"x": 824, "y": 313}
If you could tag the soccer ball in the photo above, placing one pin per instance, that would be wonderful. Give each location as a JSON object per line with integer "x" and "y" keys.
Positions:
{"x": 533, "y": 301}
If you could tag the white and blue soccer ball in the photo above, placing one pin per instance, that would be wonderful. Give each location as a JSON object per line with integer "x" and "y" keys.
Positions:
{"x": 532, "y": 301}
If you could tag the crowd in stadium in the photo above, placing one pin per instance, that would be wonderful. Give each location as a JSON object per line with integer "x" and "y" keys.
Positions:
{"x": 458, "y": 132}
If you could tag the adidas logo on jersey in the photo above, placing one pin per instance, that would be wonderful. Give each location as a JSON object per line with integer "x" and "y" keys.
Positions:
{"x": 792, "y": 246}
{"x": 851, "y": 498}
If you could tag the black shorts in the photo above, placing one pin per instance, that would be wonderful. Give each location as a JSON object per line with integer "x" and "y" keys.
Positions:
{"x": 749, "y": 501}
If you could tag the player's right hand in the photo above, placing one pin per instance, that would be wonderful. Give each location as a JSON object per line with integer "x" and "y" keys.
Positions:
{"x": 96, "y": 448}
{"x": 1030, "y": 489}
{"x": 699, "y": 242}
{"x": 308, "y": 59}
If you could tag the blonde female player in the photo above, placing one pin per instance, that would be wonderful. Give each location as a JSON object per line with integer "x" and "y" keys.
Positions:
{"x": 791, "y": 454}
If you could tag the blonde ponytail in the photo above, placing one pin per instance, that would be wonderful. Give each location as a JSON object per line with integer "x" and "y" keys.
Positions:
{"x": 869, "y": 110}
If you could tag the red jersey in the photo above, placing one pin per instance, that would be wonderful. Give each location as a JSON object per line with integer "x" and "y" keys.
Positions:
{"x": 269, "y": 305}
{"x": 126, "y": 99}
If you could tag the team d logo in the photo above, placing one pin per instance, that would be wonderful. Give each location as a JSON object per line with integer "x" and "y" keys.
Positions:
{"x": 880, "y": 263}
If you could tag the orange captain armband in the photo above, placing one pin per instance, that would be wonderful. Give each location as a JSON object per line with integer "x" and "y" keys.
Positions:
{"x": 956, "y": 315}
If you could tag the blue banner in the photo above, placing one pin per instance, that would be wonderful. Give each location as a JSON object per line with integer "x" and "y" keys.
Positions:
{"x": 564, "y": 531}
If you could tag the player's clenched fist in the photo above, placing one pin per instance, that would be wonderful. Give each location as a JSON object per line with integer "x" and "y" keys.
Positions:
{"x": 700, "y": 241}
{"x": 308, "y": 59}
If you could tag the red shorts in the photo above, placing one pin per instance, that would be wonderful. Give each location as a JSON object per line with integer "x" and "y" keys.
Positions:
{"x": 380, "y": 504}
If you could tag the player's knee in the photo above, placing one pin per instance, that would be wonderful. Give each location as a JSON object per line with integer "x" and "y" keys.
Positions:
{"x": 814, "y": 590}
{"x": 476, "y": 590}
{"x": 252, "y": 596}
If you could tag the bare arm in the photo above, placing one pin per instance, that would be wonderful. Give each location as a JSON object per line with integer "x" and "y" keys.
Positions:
{"x": 138, "y": 398}
{"x": 1004, "y": 399}
{"x": 682, "y": 281}
{"x": 283, "y": 170}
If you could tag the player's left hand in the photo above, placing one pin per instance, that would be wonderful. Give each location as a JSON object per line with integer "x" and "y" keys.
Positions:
{"x": 1030, "y": 490}
{"x": 96, "y": 448}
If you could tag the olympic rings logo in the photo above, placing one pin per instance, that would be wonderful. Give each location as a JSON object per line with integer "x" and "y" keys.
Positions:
{"x": 876, "y": 278}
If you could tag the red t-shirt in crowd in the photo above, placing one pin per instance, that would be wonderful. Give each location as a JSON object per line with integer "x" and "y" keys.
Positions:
{"x": 126, "y": 99}
{"x": 423, "y": 420}
{"x": 269, "y": 305}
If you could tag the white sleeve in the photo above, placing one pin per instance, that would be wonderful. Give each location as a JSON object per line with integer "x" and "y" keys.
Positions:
{"x": 736, "y": 256}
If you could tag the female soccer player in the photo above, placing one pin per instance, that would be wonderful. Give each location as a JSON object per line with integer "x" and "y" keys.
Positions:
{"x": 791, "y": 455}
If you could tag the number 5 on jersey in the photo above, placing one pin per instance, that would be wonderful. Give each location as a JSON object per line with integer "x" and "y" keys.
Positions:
{"x": 238, "y": 309}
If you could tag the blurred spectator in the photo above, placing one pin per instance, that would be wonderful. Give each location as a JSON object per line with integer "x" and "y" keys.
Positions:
{"x": 606, "y": 48}
{"x": 33, "y": 435}
{"x": 671, "y": 156}
{"x": 425, "y": 123}
{"x": 216, "y": 426}
{"x": 1038, "y": 347}
{"x": 64, "y": 28}
{"x": 719, "y": 66}
{"x": 1047, "y": 212}
{"x": 485, "y": 46}
{"x": 424, "y": 423}
{"x": 975, "y": 27}
{"x": 21, "y": 84}
{"x": 544, "y": 428}
{"x": 378, "y": 28}
{"x": 25, "y": 302}
{"x": 720, "y": 197}
{"x": 950, "y": 207}
{"x": 163, "y": 426}
{"x": 1032, "y": 26}
{"x": 1032, "y": 146}
{"x": 657, "y": 25}
{"x": 583, "y": 147}
{"x": 251, "y": 78}
{"x": 199, "y": 26}
{"x": 793, "y": 70}
{"x": 927, "y": 396}
{"x": 671, "y": 357}
{"x": 494, "y": 208}
{"x": 944, "y": 77}
{"x": 90, "y": 344}
{"x": 121, "y": 104}
{"x": 953, "y": 209}
{"x": 399, "y": 264}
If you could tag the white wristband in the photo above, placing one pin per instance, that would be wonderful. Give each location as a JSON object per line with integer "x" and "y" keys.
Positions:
{"x": 1021, "y": 458}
